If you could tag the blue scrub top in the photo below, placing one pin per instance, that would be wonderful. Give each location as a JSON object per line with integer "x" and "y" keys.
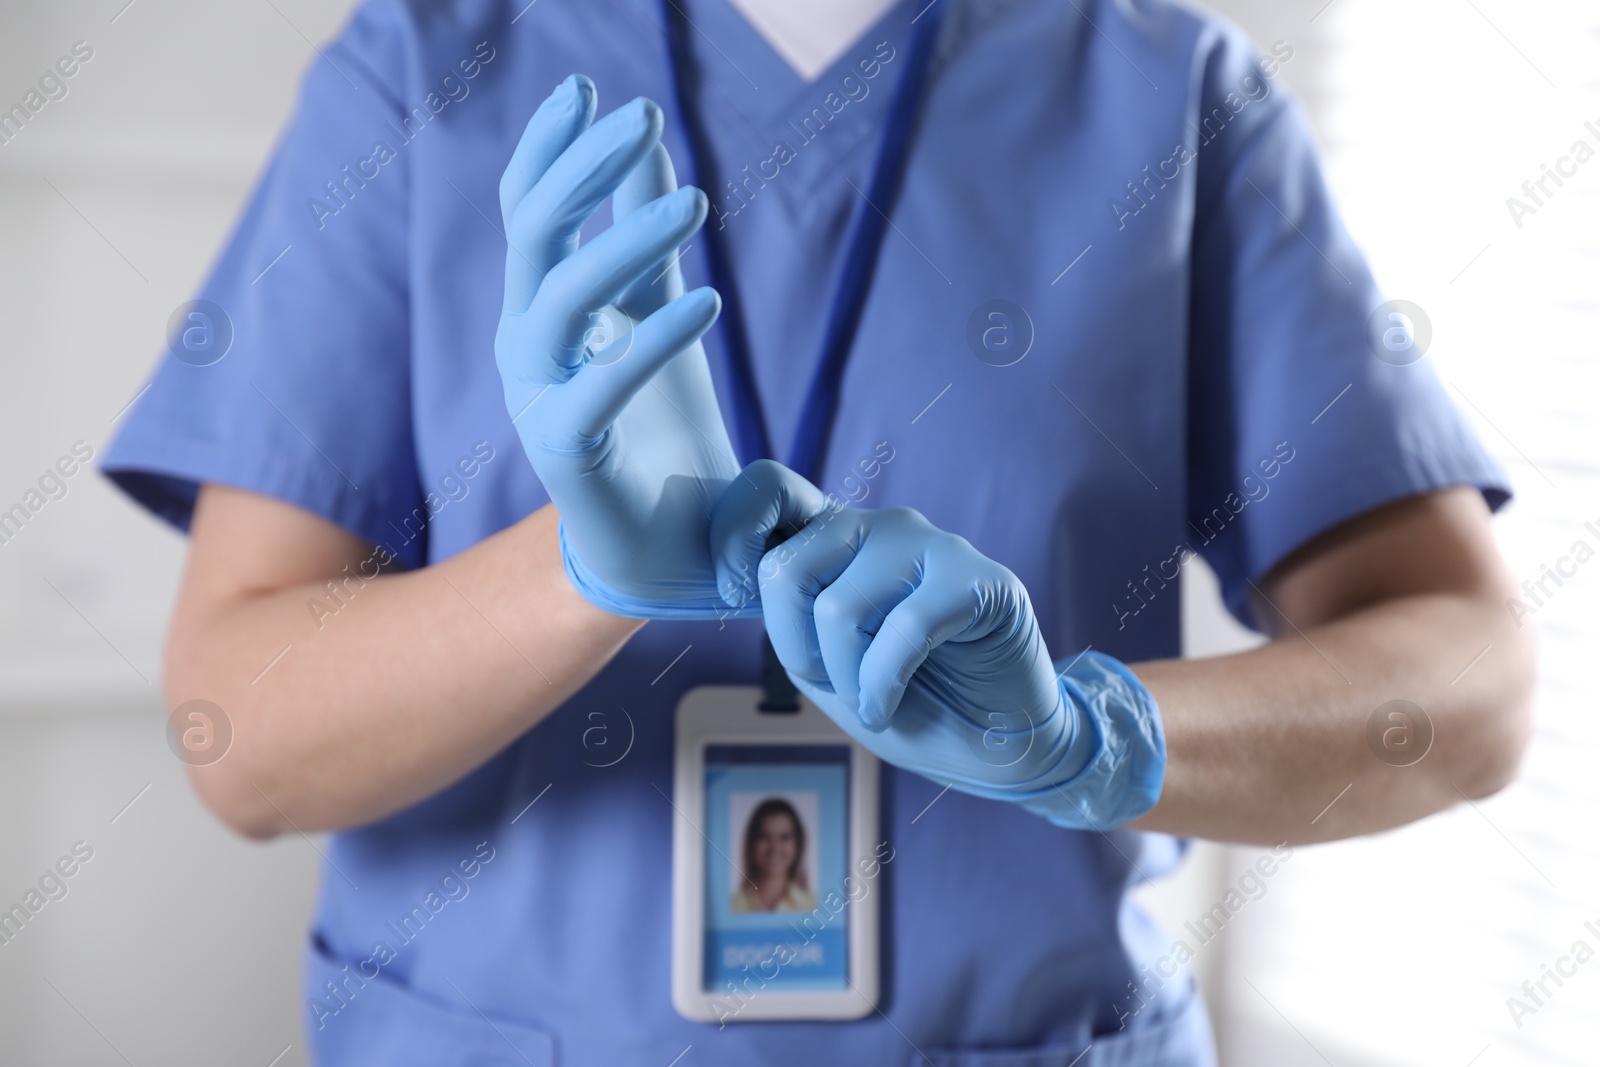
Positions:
{"x": 1198, "y": 378}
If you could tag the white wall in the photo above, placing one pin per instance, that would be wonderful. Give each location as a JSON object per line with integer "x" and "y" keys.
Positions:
{"x": 176, "y": 944}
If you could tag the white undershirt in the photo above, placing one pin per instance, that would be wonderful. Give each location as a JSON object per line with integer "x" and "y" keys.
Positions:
{"x": 811, "y": 34}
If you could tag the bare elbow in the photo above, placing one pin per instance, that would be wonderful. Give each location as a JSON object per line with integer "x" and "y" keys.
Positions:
{"x": 258, "y": 832}
{"x": 250, "y": 828}
{"x": 221, "y": 779}
{"x": 1501, "y": 759}
{"x": 239, "y": 779}
{"x": 1504, "y": 730}
{"x": 218, "y": 769}
{"x": 237, "y": 803}
{"x": 207, "y": 740}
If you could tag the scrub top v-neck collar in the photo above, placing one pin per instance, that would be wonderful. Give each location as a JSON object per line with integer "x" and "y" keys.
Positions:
{"x": 752, "y": 100}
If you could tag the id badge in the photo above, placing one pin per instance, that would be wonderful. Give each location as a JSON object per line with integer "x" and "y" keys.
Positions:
{"x": 775, "y": 863}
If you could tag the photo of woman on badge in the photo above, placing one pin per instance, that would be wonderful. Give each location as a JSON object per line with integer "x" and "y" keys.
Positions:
{"x": 774, "y": 861}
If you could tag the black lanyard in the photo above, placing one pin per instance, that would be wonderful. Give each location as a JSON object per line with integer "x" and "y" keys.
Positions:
{"x": 809, "y": 447}
{"x": 808, "y": 450}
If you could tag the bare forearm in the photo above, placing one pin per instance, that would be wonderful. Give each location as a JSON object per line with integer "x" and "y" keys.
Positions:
{"x": 411, "y": 681}
{"x": 1272, "y": 744}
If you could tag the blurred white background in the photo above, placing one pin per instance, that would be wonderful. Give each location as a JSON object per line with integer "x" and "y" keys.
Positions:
{"x": 179, "y": 945}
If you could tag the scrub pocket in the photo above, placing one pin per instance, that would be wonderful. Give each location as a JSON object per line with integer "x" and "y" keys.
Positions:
{"x": 384, "y": 1022}
{"x": 1181, "y": 1039}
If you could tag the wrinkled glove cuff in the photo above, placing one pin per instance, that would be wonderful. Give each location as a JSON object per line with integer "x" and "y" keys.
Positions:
{"x": 1117, "y": 721}
{"x": 693, "y": 607}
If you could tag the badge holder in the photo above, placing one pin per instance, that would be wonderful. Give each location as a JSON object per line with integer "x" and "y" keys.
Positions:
{"x": 775, "y": 861}
{"x": 764, "y": 781}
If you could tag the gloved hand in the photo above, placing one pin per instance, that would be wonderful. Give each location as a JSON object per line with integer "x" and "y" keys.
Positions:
{"x": 928, "y": 654}
{"x": 599, "y": 354}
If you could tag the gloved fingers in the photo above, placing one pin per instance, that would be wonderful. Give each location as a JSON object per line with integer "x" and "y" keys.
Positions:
{"x": 652, "y": 179}
{"x": 792, "y": 575}
{"x": 1000, "y": 600}
{"x": 543, "y": 227}
{"x": 766, "y": 500}
{"x": 851, "y": 614}
{"x": 599, "y": 392}
{"x": 557, "y": 122}
{"x": 940, "y": 609}
{"x": 573, "y": 300}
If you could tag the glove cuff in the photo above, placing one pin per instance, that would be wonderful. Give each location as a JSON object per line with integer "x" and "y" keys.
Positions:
{"x": 1118, "y": 749}
{"x": 704, "y": 608}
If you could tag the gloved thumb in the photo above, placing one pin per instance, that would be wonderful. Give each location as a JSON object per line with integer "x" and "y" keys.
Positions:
{"x": 766, "y": 502}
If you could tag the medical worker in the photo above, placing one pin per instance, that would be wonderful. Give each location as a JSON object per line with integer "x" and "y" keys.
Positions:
{"x": 1014, "y": 306}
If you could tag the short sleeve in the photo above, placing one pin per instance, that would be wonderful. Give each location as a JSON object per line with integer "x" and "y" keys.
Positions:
{"x": 1295, "y": 422}
{"x": 291, "y": 376}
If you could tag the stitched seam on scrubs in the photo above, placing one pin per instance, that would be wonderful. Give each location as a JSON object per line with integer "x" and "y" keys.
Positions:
{"x": 375, "y": 28}
{"x": 267, "y": 474}
{"x": 1233, "y": 171}
{"x": 344, "y": 54}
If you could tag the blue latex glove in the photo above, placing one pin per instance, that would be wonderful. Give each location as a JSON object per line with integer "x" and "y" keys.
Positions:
{"x": 928, "y": 654}
{"x": 599, "y": 353}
